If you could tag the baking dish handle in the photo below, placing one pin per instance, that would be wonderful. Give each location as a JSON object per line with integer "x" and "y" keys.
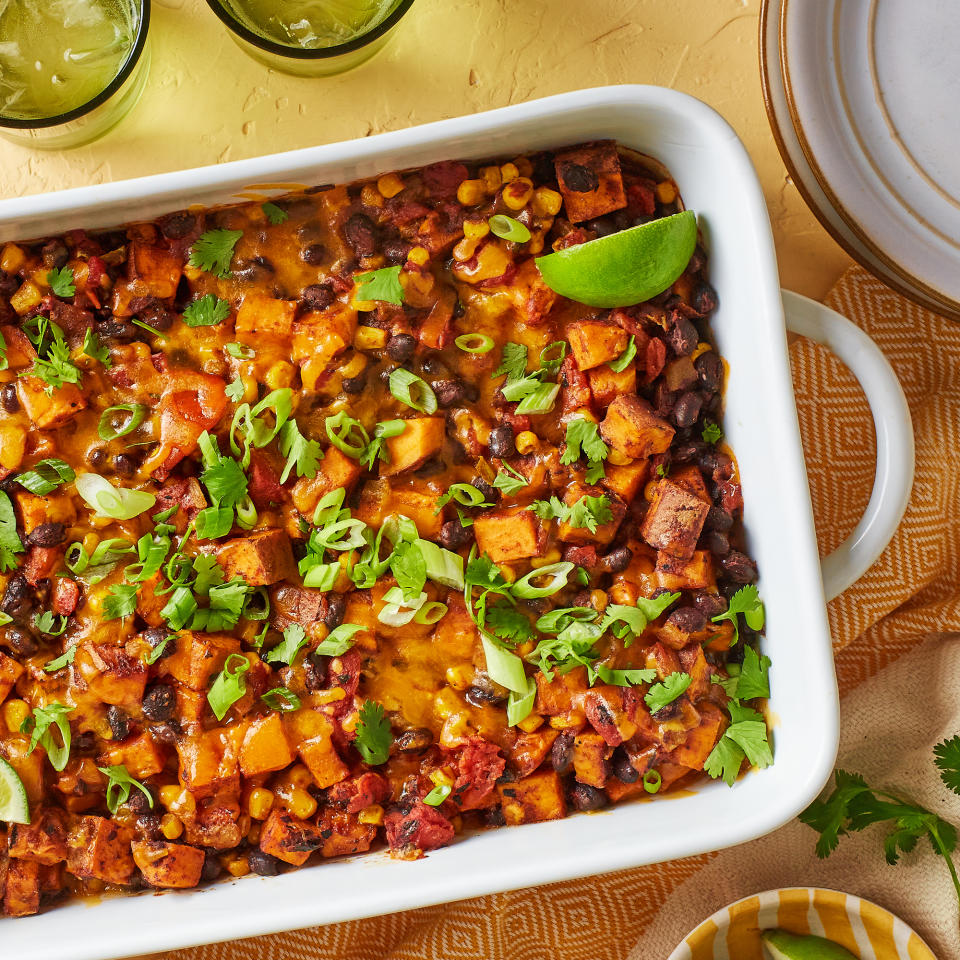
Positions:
{"x": 894, "y": 429}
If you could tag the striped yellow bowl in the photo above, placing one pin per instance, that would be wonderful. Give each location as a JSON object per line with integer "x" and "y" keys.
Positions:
{"x": 868, "y": 931}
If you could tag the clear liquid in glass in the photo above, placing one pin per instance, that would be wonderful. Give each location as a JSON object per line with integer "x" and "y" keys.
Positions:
{"x": 311, "y": 24}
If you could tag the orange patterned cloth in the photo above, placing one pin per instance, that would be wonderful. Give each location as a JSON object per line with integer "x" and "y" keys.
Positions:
{"x": 911, "y": 592}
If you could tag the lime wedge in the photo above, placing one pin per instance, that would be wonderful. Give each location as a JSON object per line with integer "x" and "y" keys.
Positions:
{"x": 13, "y": 798}
{"x": 782, "y": 945}
{"x": 623, "y": 268}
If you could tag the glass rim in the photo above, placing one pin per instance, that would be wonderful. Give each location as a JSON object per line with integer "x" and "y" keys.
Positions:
{"x": 133, "y": 57}
{"x": 309, "y": 53}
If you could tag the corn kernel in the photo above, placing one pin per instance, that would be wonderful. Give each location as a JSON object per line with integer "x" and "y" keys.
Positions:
{"x": 618, "y": 459}
{"x": 169, "y": 794}
{"x": 279, "y": 375}
{"x": 517, "y": 193}
{"x": 301, "y": 804}
{"x": 571, "y": 720}
{"x": 465, "y": 249}
{"x": 446, "y": 704}
{"x": 524, "y": 165}
{"x": 476, "y": 229}
{"x": 649, "y": 490}
{"x": 470, "y": 193}
{"x": 171, "y": 826}
{"x": 419, "y": 255}
{"x": 300, "y": 776}
{"x": 459, "y": 677}
{"x": 253, "y": 834}
{"x": 26, "y": 298}
{"x": 356, "y": 364}
{"x": 370, "y": 338}
{"x": 535, "y": 244}
{"x": 371, "y": 195}
{"x": 508, "y": 172}
{"x": 546, "y": 202}
{"x": 526, "y": 441}
{"x": 259, "y": 803}
{"x": 441, "y": 778}
{"x": 390, "y": 185}
{"x": 491, "y": 178}
{"x": 598, "y": 600}
{"x": 530, "y": 723}
{"x": 329, "y": 696}
{"x": 372, "y": 815}
{"x": 238, "y": 866}
{"x": 551, "y": 556}
{"x": 666, "y": 192}
{"x": 700, "y": 349}
{"x": 14, "y": 713}
{"x": 12, "y": 258}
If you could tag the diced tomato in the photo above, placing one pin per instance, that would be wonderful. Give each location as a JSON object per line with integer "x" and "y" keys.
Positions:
{"x": 442, "y": 179}
{"x": 656, "y": 358}
{"x": 479, "y": 766}
{"x": 66, "y": 596}
{"x": 355, "y": 794}
{"x": 264, "y": 482}
{"x": 420, "y": 828}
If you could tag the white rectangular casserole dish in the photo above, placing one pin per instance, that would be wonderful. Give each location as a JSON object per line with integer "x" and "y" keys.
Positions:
{"x": 717, "y": 181}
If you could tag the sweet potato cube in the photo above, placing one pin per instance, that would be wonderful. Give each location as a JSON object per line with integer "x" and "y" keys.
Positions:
{"x": 49, "y": 411}
{"x": 694, "y": 663}
{"x": 164, "y": 864}
{"x": 100, "y": 848}
{"x": 266, "y": 316}
{"x": 10, "y": 672}
{"x": 19, "y": 351}
{"x": 319, "y": 336}
{"x": 157, "y": 269}
{"x": 288, "y": 839}
{"x": 197, "y": 657}
{"x": 531, "y": 749}
{"x": 22, "y": 896}
{"x": 693, "y": 573}
{"x": 700, "y": 741}
{"x": 608, "y": 714}
{"x": 343, "y": 834}
{"x": 150, "y": 603}
{"x": 51, "y": 877}
{"x": 421, "y": 439}
{"x": 605, "y": 532}
{"x": 674, "y": 520}
{"x": 590, "y": 755}
{"x": 590, "y": 180}
{"x": 594, "y": 341}
{"x": 111, "y": 674}
{"x": 336, "y": 470}
{"x": 321, "y": 758}
{"x": 208, "y": 760}
{"x": 626, "y": 481}
{"x": 265, "y": 747}
{"x": 456, "y": 633}
{"x": 510, "y": 535}
{"x": 532, "y": 799}
{"x": 562, "y": 694}
{"x": 632, "y": 428}
{"x": 420, "y": 507}
{"x": 43, "y": 840}
{"x": 34, "y": 510}
{"x": 259, "y": 559}
{"x": 360, "y": 612}
{"x": 142, "y": 756}
{"x": 690, "y": 478}
{"x": 184, "y": 493}
{"x": 606, "y": 384}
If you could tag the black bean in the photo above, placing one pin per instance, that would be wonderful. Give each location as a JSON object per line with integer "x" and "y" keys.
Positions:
{"x": 138, "y": 802}
{"x": 687, "y": 408}
{"x": 561, "y": 753}
{"x": 8, "y": 397}
{"x": 683, "y": 336}
{"x": 165, "y": 732}
{"x": 739, "y": 567}
{"x": 718, "y": 519}
{"x": 97, "y": 457}
{"x": 501, "y": 442}
{"x": 400, "y": 347}
{"x": 156, "y": 316}
{"x": 124, "y": 465}
{"x": 490, "y": 493}
{"x": 354, "y": 385}
{"x": 453, "y": 535}
{"x": 54, "y": 254}
{"x": 709, "y": 369}
{"x": 602, "y": 226}
{"x": 47, "y": 535}
{"x": 120, "y": 330}
{"x": 717, "y": 543}
{"x": 177, "y": 225}
{"x": 479, "y": 695}
{"x": 471, "y": 392}
{"x": 17, "y": 597}
{"x": 585, "y": 797}
{"x": 623, "y": 769}
{"x": 21, "y": 641}
{"x": 84, "y": 744}
{"x": 705, "y": 299}
{"x": 262, "y": 864}
{"x": 318, "y": 296}
{"x": 119, "y": 723}
{"x": 449, "y": 392}
{"x": 687, "y": 620}
{"x": 147, "y": 826}
{"x": 663, "y": 399}
{"x": 314, "y": 254}
{"x": 156, "y": 635}
{"x": 361, "y": 234}
{"x": 159, "y": 702}
{"x": 617, "y": 559}
{"x": 578, "y": 178}
{"x": 211, "y": 866}
{"x": 315, "y": 671}
{"x": 336, "y": 608}
{"x": 495, "y": 817}
{"x": 709, "y": 604}
{"x": 411, "y": 741}
{"x": 395, "y": 251}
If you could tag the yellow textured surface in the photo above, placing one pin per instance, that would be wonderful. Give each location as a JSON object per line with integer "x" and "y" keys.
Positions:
{"x": 207, "y": 102}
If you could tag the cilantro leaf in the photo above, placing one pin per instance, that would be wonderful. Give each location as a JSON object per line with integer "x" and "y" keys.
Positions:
{"x": 745, "y": 601}
{"x": 38, "y": 725}
{"x": 947, "y": 758}
{"x": 624, "y": 678}
{"x": 119, "y": 783}
{"x": 302, "y": 454}
{"x": 95, "y": 350}
{"x": 409, "y": 568}
{"x": 207, "y": 311}
{"x": 509, "y": 480}
{"x": 513, "y": 362}
{"x": 625, "y": 358}
{"x": 373, "y": 734}
{"x": 61, "y": 281}
{"x": 745, "y": 738}
{"x": 587, "y": 513}
{"x": 222, "y": 476}
{"x": 122, "y": 601}
{"x": 276, "y": 215}
{"x": 573, "y": 646}
{"x": 212, "y": 251}
{"x": 10, "y": 543}
{"x": 753, "y": 680}
{"x": 235, "y": 390}
{"x": 662, "y": 694}
{"x": 375, "y": 449}
{"x": 53, "y": 365}
{"x": 724, "y": 761}
{"x": 711, "y": 433}
{"x": 583, "y": 439}
{"x": 383, "y": 284}
{"x": 208, "y": 573}
{"x": 225, "y": 607}
{"x": 229, "y": 686}
{"x": 51, "y": 666}
{"x": 294, "y": 639}
{"x": 508, "y": 623}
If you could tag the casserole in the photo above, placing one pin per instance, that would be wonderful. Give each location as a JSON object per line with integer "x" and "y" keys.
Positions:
{"x": 714, "y": 175}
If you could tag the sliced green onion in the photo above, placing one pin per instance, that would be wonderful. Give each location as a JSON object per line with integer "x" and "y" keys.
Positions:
{"x": 348, "y": 434}
{"x": 431, "y": 613}
{"x": 625, "y": 358}
{"x": 120, "y": 420}
{"x": 466, "y": 494}
{"x": 246, "y": 513}
{"x": 118, "y": 503}
{"x": 652, "y": 781}
{"x": 214, "y": 522}
{"x": 339, "y": 640}
{"x": 541, "y": 400}
{"x": 241, "y": 351}
{"x": 179, "y": 609}
{"x": 229, "y": 686}
{"x": 328, "y": 509}
{"x": 556, "y": 620}
{"x": 403, "y": 385}
{"x": 504, "y": 667}
{"x": 474, "y": 343}
{"x": 257, "y": 604}
{"x": 46, "y": 476}
{"x": 438, "y": 794}
{"x": 553, "y": 354}
{"x": 557, "y": 572}
{"x": 281, "y": 699}
{"x": 398, "y": 612}
{"x": 520, "y": 705}
{"x": 322, "y": 576}
{"x": 443, "y": 566}
{"x": 507, "y": 228}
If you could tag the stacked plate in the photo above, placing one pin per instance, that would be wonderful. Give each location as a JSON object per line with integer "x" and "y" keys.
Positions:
{"x": 864, "y": 100}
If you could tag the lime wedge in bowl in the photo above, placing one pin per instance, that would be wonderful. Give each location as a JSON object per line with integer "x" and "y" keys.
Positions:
{"x": 13, "y": 798}
{"x": 624, "y": 268}
{"x": 782, "y": 945}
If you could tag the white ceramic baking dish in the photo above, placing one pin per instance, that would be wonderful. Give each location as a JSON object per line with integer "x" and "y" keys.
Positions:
{"x": 718, "y": 182}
